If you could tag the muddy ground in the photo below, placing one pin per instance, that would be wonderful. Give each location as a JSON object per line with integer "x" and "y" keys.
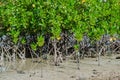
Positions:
{"x": 89, "y": 70}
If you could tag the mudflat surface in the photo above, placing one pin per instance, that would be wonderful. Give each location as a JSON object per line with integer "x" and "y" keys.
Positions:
{"x": 89, "y": 70}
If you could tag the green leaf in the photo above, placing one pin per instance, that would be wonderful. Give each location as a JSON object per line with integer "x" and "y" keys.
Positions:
{"x": 76, "y": 47}
{"x": 40, "y": 40}
{"x": 15, "y": 40}
{"x": 33, "y": 46}
{"x": 23, "y": 41}
{"x": 56, "y": 32}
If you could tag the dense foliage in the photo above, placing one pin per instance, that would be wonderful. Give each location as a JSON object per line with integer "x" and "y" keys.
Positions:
{"x": 29, "y": 21}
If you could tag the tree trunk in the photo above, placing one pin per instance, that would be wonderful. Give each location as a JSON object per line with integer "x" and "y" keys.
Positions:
{"x": 99, "y": 56}
{"x": 55, "y": 52}
{"x": 2, "y": 58}
{"x": 78, "y": 59}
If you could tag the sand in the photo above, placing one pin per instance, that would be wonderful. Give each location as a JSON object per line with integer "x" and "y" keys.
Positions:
{"x": 68, "y": 70}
